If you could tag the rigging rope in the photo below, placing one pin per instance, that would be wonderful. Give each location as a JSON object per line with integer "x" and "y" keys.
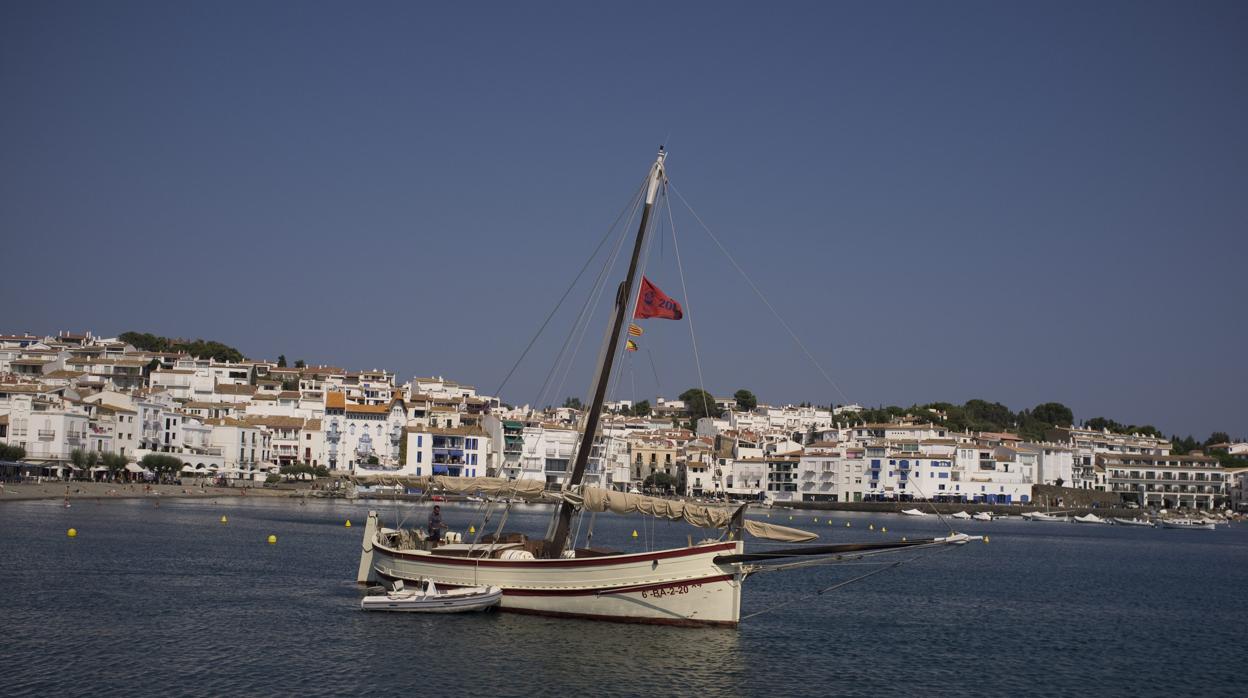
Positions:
{"x": 602, "y": 275}
{"x": 592, "y": 307}
{"x": 631, "y": 205}
{"x": 839, "y": 585}
{"x": 693, "y": 338}
{"x": 762, "y": 297}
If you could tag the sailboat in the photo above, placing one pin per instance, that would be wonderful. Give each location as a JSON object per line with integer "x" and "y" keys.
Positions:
{"x": 699, "y": 584}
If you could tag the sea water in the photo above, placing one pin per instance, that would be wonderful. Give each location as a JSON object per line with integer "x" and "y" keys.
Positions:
{"x": 167, "y": 600}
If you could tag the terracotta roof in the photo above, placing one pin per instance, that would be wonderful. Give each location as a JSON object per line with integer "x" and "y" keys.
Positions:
{"x": 276, "y": 421}
{"x": 22, "y": 388}
{"x": 229, "y": 389}
{"x": 335, "y": 400}
{"x": 288, "y": 394}
{"x": 227, "y": 422}
{"x": 368, "y": 409}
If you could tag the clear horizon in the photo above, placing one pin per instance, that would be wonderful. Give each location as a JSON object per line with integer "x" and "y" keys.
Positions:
{"x": 1017, "y": 203}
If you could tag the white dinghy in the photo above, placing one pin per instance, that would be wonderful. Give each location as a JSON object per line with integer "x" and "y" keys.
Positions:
{"x": 1133, "y": 522}
{"x": 913, "y": 512}
{"x": 961, "y": 515}
{"x": 1187, "y": 524}
{"x": 982, "y": 516}
{"x": 434, "y": 600}
{"x": 1092, "y": 519}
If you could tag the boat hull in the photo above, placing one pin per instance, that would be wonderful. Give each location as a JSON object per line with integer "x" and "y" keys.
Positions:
{"x": 437, "y": 603}
{"x": 679, "y": 586}
{"x": 1189, "y": 526}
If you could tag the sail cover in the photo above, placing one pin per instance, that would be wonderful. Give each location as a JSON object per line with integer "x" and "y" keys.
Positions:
{"x": 596, "y": 499}
{"x": 491, "y": 486}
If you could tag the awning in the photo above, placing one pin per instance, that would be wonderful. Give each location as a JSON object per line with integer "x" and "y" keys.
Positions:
{"x": 135, "y": 468}
{"x": 440, "y": 470}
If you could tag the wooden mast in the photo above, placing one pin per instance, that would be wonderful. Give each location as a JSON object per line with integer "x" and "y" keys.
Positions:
{"x": 609, "y": 350}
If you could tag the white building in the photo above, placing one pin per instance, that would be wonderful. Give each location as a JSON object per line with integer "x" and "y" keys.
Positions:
{"x": 830, "y": 472}
{"x": 362, "y": 434}
{"x": 454, "y": 451}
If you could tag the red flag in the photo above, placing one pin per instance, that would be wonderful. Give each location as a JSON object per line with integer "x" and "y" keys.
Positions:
{"x": 652, "y": 302}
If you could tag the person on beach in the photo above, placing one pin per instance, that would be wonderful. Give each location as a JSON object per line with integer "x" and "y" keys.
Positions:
{"x": 436, "y": 525}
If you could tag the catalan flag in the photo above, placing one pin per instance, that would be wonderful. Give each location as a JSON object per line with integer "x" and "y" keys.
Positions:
{"x": 634, "y": 330}
{"x": 630, "y": 346}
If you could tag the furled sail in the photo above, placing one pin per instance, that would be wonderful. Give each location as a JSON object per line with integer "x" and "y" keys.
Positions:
{"x": 490, "y": 486}
{"x": 595, "y": 499}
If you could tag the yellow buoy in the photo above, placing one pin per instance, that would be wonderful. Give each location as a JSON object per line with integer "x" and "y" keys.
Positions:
{"x": 272, "y": 539}
{"x": 903, "y": 539}
{"x": 883, "y": 530}
{"x": 348, "y": 523}
{"x": 472, "y": 529}
{"x": 224, "y": 520}
{"x": 769, "y": 516}
{"x": 985, "y": 539}
{"x": 72, "y": 533}
{"x": 816, "y": 519}
{"x": 846, "y": 524}
{"x": 871, "y": 526}
{"x": 790, "y": 518}
{"x": 634, "y": 533}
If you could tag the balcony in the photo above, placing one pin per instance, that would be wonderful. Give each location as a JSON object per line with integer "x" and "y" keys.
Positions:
{"x": 47, "y": 434}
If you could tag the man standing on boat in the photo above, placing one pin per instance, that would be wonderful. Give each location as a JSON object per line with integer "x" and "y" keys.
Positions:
{"x": 436, "y": 525}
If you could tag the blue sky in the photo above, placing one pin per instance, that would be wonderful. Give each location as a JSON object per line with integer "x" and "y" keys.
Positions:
{"x": 1021, "y": 202}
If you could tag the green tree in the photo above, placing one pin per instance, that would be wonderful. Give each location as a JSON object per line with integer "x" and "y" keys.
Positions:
{"x": 982, "y": 415}
{"x": 1101, "y": 423}
{"x": 746, "y": 400}
{"x": 83, "y": 459}
{"x": 642, "y": 409}
{"x": 660, "y": 481}
{"x": 281, "y": 361}
{"x": 162, "y": 465}
{"x": 573, "y": 403}
{"x": 1218, "y": 437}
{"x": 299, "y": 363}
{"x": 1054, "y": 413}
{"x": 115, "y": 462}
{"x": 199, "y": 347}
{"x": 699, "y": 404}
{"x": 11, "y": 453}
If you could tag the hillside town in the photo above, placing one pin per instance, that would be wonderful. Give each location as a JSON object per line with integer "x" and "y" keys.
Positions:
{"x": 79, "y": 406}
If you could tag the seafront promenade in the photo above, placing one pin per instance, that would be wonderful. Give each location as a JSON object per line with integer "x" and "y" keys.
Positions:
{"x": 111, "y": 490}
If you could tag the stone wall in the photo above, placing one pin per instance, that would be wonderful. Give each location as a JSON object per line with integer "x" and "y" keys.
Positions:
{"x": 1050, "y": 495}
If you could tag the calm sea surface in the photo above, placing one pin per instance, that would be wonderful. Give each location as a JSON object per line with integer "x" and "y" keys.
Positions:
{"x": 166, "y": 600}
